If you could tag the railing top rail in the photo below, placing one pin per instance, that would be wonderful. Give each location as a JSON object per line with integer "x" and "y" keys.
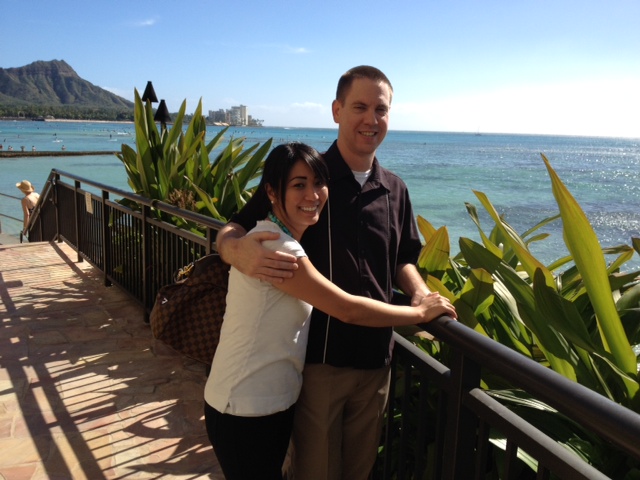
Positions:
{"x": 612, "y": 421}
{"x": 10, "y": 196}
{"x": 156, "y": 204}
{"x": 11, "y": 217}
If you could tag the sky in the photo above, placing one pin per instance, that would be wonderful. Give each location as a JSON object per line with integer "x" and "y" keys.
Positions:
{"x": 559, "y": 67}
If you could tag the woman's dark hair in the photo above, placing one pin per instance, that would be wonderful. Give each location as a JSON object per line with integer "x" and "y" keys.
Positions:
{"x": 276, "y": 171}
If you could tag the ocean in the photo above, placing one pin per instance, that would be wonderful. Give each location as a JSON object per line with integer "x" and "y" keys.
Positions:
{"x": 442, "y": 170}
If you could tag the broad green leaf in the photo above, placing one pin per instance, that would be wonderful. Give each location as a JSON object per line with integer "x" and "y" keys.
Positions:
{"x": 473, "y": 213}
{"x": 253, "y": 166}
{"x": 216, "y": 141}
{"x": 528, "y": 261}
{"x": 426, "y": 229}
{"x": 478, "y": 290}
{"x": 537, "y": 238}
{"x": 465, "y": 313}
{"x": 434, "y": 256}
{"x": 208, "y": 202}
{"x": 174, "y": 133}
{"x": 565, "y": 318}
{"x": 630, "y": 299}
{"x": 556, "y": 350}
{"x": 623, "y": 258}
{"x": 565, "y": 431}
{"x": 583, "y": 244}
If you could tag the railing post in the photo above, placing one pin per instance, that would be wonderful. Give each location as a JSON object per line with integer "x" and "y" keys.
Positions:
{"x": 146, "y": 255}
{"x": 210, "y": 240}
{"x": 389, "y": 428}
{"x": 461, "y": 434}
{"x": 106, "y": 239}
{"x": 76, "y": 212}
{"x": 56, "y": 203}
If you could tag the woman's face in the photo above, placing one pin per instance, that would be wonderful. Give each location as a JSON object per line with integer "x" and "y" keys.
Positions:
{"x": 305, "y": 197}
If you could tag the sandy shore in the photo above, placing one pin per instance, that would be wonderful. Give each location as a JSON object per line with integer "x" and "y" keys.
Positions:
{"x": 62, "y": 120}
{"x": 57, "y": 153}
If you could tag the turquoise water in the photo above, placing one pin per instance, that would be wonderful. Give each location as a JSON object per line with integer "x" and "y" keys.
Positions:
{"x": 441, "y": 170}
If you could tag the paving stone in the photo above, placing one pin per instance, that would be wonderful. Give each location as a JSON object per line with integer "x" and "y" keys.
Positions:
{"x": 85, "y": 390}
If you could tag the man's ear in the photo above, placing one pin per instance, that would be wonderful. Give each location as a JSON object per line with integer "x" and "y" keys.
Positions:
{"x": 335, "y": 109}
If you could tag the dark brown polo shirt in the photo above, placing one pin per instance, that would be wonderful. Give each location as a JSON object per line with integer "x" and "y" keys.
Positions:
{"x": 373, "y": 230}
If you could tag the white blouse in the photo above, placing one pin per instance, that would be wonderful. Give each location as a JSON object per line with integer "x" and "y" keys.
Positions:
{"x": 257, "y": 368}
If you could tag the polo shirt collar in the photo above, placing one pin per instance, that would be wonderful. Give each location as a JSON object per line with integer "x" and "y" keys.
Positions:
{"x": 339, "y": 169}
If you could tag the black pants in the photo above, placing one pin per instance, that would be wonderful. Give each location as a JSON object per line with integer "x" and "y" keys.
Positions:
{"x": 249, "y": 448}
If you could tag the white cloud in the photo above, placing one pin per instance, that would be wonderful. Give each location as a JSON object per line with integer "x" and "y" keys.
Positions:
{"x": 146, "y": 23}
{"x": 284, "y": 48}
{"x": 300, "y": 50}
{"x": 308, "y": 105}
{"x": 300, "y": 114}
{"x": 126, "y": 94}
{"x": 600, "y": 107}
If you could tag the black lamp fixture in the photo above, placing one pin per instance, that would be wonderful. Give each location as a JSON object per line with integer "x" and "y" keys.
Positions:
{"x": 162, "y": 114}
{"x": 149, "y": 93}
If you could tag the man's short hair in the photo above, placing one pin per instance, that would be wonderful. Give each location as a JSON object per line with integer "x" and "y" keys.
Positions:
{"x": 363, "y": 71}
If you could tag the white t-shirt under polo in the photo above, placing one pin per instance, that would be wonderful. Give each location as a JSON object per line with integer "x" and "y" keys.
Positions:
{"x": 257, "y": 368}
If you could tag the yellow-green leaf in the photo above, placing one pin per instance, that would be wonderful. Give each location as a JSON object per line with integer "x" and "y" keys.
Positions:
{"x": 585, "y": 248}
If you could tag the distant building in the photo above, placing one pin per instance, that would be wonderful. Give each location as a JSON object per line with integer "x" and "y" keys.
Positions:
{"x": 234, "y": 116}
{"x": 219, "y": 116}
{"x": 238, "y": 115}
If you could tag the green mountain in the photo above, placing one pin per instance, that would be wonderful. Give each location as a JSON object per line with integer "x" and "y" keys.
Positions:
{"x": 54, "y": 83}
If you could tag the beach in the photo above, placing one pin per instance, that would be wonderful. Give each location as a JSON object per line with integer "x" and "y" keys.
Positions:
{"x": 51, "y": 153}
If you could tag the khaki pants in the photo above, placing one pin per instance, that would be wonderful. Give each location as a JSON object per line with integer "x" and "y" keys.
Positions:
{"x": 338, "y": 422}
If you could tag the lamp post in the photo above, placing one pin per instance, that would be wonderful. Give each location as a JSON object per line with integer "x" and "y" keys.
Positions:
{"x": 162, "y": 113}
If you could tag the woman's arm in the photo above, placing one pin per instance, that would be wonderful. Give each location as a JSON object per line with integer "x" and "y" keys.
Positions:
{"x": 312, "y": 287}
{"x": 246, "y": 253}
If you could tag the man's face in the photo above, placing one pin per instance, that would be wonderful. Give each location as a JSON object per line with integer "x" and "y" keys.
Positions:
{"x": 363, "y": 118}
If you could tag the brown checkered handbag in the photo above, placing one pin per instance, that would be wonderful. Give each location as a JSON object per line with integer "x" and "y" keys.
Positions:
{"x": 187, "y": 315}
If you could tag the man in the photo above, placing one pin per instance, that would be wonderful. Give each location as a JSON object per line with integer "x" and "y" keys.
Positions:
{"x": 365, "y": 242}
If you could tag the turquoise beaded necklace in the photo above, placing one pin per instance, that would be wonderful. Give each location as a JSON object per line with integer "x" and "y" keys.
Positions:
{"x": 275, "y": 220}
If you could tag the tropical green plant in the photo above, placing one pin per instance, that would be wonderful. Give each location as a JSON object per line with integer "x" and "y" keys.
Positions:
{"x": 578, "y": 315}
{"x": 173, "y": 165}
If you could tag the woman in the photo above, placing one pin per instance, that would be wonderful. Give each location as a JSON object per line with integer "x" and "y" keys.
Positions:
{"x": 28, "y": 202}
{"x": 256, "y": 374}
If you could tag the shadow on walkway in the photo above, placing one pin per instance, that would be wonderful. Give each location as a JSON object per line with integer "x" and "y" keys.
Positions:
{"x": 85, "y": 391}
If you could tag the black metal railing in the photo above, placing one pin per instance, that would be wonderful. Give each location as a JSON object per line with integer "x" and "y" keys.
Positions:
{"x": 132, "y": 247}
{"x": 463, "y": 415}
{"x": 440, "y": 421}
{"x": 10, "y": 224}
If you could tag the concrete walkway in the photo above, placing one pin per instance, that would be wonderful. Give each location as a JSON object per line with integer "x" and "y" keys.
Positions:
{"x": 85, "y": 391}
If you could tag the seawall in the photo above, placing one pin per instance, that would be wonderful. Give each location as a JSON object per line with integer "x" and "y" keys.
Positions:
{"x": 61, "y": 153}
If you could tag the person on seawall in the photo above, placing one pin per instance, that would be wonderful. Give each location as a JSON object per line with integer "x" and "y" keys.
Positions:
{"x": 28, "y": 202}
{"x": 366, "y": 242}
{"x": 256, "y": 373}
